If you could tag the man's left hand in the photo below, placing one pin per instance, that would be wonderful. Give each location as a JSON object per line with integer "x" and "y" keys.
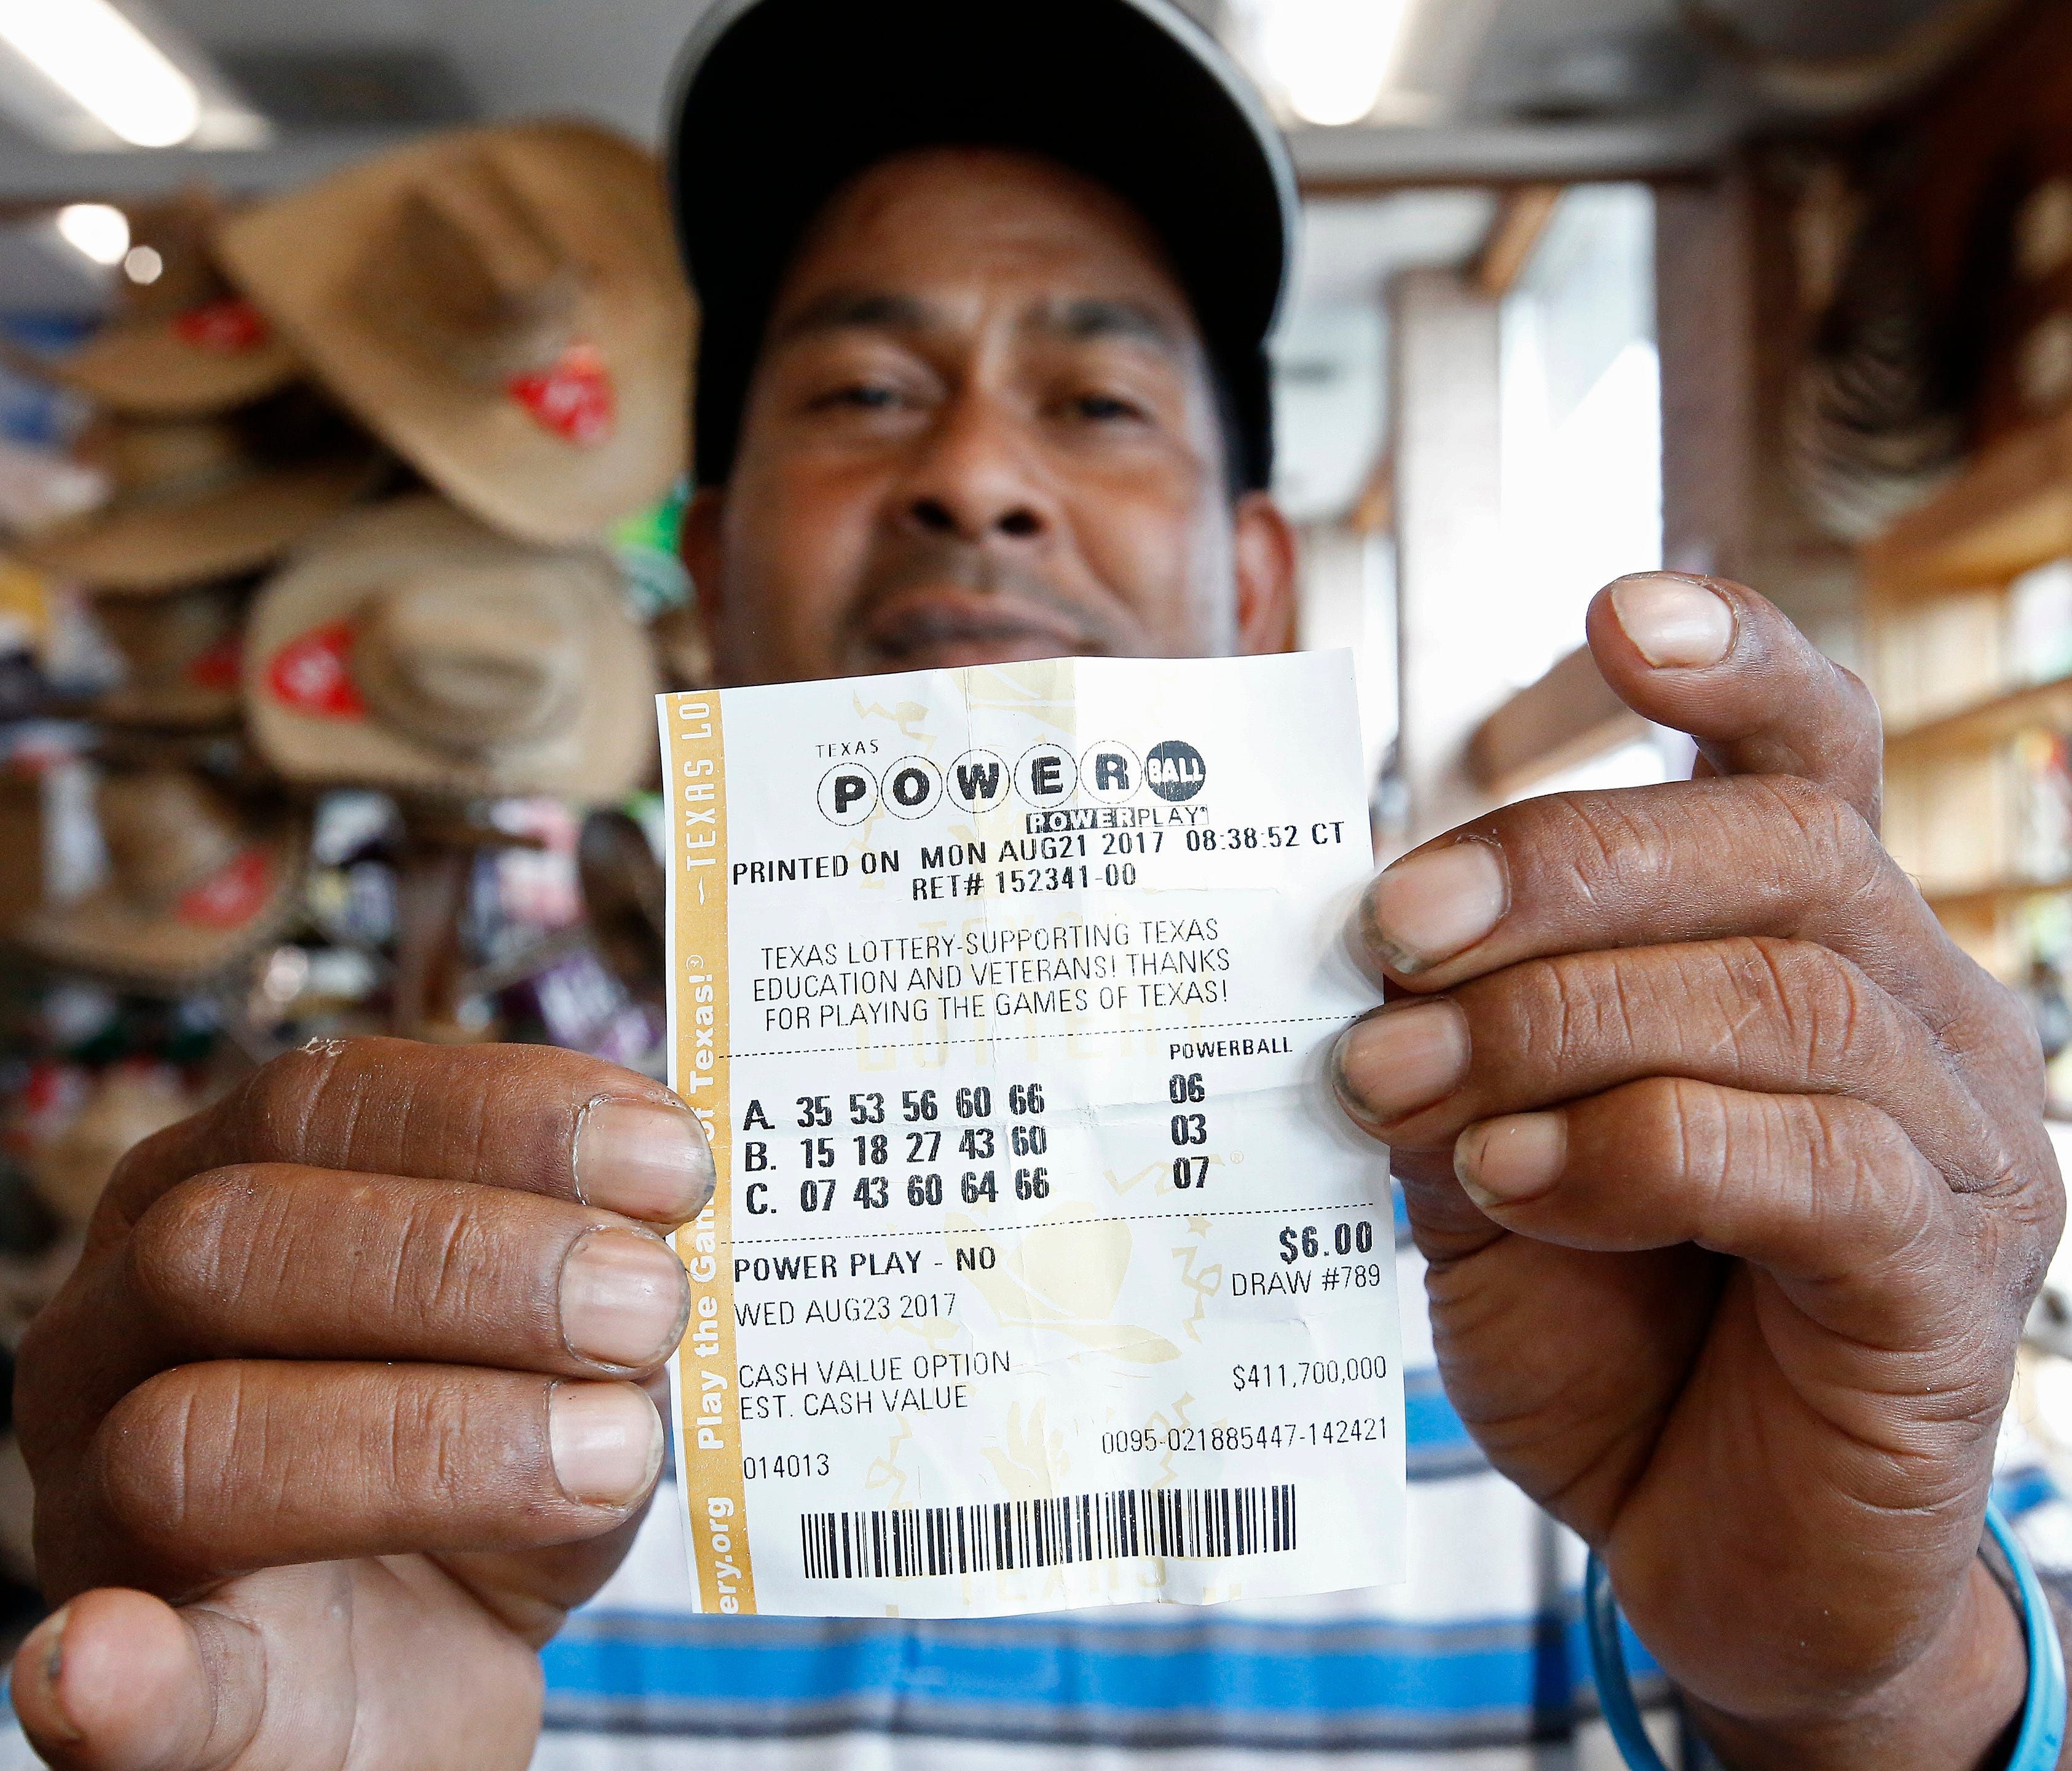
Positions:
{"x": 1731, "y": 1171}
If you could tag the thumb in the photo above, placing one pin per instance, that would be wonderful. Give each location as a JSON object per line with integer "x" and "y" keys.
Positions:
{"x": 1714, "y": 660}
{"x": 117, "y": 1680}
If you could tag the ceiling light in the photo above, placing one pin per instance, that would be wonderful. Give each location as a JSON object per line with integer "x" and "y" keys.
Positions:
{"x": 99, "y": 230}
{"x": 143, "y": 264}
{"x": 1333, "y": 59}
{"x": 100, "y": 60}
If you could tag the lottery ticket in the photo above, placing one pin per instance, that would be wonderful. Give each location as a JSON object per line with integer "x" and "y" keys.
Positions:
{"x": 1042, "y": 1271}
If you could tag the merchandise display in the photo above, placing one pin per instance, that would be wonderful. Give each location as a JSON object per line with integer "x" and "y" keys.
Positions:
{"x": 504, "y": 307}
{"x": 197, "y": 499}
{"x": 291, "y": 745}
{"x": 411, "y": 649}
{"x": 179, "y": 655}
{"x": 224, "y": 577}
{"x": 194, "y": 883}
{"x": 183, "y": 343}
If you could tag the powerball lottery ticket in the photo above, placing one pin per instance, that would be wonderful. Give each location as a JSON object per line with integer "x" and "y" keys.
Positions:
{"x": 1041, "y": 1270}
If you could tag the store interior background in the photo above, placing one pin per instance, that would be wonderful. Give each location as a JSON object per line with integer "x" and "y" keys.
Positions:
{"x": 1774, "y": 288}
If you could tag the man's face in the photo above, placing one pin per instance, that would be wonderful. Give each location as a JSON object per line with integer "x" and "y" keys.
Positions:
{"x": 982, "y": 428}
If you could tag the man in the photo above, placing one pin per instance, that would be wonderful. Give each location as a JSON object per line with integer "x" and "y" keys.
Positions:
{"x": 1728, "y": 1168}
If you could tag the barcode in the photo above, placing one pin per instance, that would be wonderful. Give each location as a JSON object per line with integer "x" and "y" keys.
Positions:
{"x": 999, "y": 1535}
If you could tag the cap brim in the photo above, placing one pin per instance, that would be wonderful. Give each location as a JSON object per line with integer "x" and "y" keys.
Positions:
{"x": 777, "y": 102}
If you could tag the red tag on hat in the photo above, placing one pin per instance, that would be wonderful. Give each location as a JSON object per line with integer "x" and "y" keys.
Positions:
{"x": 311, "y": 676}
{"x": 574, "y": 399}
{"x": 52, "y": 1090}
{"x": 219, "y": 667}
{"x": 228, "y": 328}
{"x": 231, "y": 898}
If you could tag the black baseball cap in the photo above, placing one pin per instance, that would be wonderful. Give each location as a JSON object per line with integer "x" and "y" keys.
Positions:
{"x": 778, "y": 103}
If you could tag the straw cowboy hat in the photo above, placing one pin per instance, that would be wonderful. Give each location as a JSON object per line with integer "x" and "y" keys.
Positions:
{"x": 411, "y": 649}
{"x": 183, "y": 343}
{"x": 195, "y": 499}
{"x": 181, "y": 655}
{"x": 70, "y": 1165}
{"x": 503, "y": 306}
{"x": 193, "y": 885}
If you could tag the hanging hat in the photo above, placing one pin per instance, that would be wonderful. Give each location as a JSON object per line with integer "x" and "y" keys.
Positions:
{"x": 192, "y": 887}
{"x": 180, "y": 653}
{"x": 218, "y": 354}
{"x": 70, "y": 1166}
{"x": 196, "y": 499}
{"x": 411, "y": 649}
{"x": 503, "y": 306}
{"x": 182, "y": 343}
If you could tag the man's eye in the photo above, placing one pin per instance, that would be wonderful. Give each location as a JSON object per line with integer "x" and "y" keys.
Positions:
{"x": 862, "y": 396}
{"x": 1104, "y": 408}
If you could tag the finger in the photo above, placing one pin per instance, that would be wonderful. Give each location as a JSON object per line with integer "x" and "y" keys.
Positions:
{"x": 1716, "y": 660}
{"x": 212, "y": 1470}
{"x": 1826, "y": 1193}
{"x": 1786, "y": 1017}
{"x": 1683, "y": 861}
{"x": 326, "y": 1665}
{"x": 528, "y": 1117}
{"x": 119, "y": 1681}
{"x": 220, "y": 1267}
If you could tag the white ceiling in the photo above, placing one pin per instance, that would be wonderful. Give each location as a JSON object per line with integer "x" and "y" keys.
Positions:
{"x": 606, "y": 59}
{"x": 1549, "y": 88}
{"x": 1331, "y": 368}
{"x": 1351, "y": 248}
{"x": 1665, "y": 106}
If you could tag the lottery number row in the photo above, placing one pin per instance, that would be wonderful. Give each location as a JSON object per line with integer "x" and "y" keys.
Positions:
{"x": 920, "y": 1136}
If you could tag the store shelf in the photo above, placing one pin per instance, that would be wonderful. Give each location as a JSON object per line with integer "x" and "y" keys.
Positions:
{"x": 1568, "y": 717}
{"x": 1970, "y": 902}
{"x": 1987, "y": 722}
{"x": 2010, "y": 509}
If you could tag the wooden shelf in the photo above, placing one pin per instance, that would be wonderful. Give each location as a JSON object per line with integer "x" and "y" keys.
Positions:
{"x": 1570, "y": 717}
{"x": 1979, "y": 901}
{"x": 1986, "y": 722}
{"x": 2010, "y": 509}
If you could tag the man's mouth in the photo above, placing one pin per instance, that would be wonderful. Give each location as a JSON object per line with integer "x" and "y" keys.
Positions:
{"x": 940, "y": 627}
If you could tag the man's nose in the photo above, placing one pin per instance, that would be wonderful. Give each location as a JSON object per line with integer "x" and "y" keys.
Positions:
{"x": 976, "y": 478}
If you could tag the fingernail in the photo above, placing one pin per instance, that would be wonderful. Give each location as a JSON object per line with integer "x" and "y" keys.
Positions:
{"x": 642, "y": 1160}
{"x": 1399, "y": 1060}
{"x": 606, "y": 1439}
{"x": 1505, "y": 1161}
{"x": 624, "y": 1298}
{"x": 1430, "y": 906}
{"x": 41, "y": 1658}
{"x": 1676, "y": 622}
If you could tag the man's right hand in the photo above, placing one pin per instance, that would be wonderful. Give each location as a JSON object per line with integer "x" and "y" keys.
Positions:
{"x": 341, "y": 1413}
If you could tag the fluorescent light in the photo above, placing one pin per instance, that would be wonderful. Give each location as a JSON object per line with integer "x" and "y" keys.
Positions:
{"x": 1333, "y": 59}
{"x": 105, "y": 65}
{"x": 99, "y": 230}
